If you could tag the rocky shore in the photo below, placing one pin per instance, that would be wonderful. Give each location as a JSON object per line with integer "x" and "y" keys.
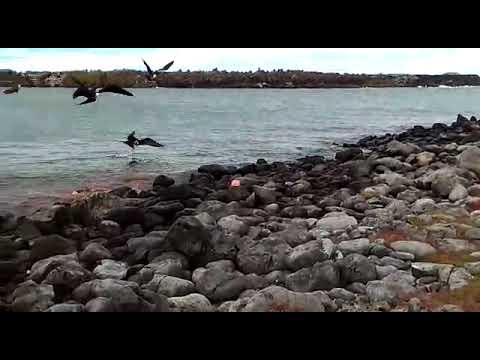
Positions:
{"x": 279, "y": 79}
{"x": 391, "y": 224}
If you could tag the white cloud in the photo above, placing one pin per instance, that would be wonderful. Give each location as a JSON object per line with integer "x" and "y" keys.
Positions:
{"x": 353, "y": 60}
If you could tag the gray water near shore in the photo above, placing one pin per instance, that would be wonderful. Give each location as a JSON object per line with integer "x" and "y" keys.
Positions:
{"x": 50, "y": 146}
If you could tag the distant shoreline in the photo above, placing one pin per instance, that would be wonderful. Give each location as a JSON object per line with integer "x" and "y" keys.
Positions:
{"x": 223, "y": 80}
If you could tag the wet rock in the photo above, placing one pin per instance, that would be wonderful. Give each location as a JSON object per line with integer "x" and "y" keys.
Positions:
{"x": 349, "y": 154}
{"x": 379, "y": 250}
{"x": 163, "y": 181}
{"x": 7, "y": 248}
{"x": 264, "y": 194}
{"x": 217, "y": 171}
{"x": 127, "y": 215}
{"x": 398, "y": 148}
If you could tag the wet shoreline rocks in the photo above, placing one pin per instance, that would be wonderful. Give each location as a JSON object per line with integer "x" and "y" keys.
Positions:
{"x": 370, "y": 230}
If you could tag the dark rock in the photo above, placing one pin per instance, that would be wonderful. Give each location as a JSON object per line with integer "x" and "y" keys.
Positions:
{"x": 53, "y": 219}
{"x": 8, "y": 221}
{"x": 167, "y": 209}
{"x": 163, "y": 181}
{"x": 127, "y": 215}
{"x": 356, "y": 268}
{"x": 219, "y": 282}
{"x": 349, "y": 154}
{"x": 170, "y": 286}
{"x": 216, "y": 170}
{"x": 247, "y": 169}
{"x": 31, "y": 297}
{"x": 152, "y": 219}
{"x": 192, "y": 203}
{"x": 66, "y": 277}
{"x": 49, "y": 245}
{"x": 188, "y": 236}
{"x": 119, "y": 252}
{"x": 109, "y": 229}
{"x": 100, "y": 304}
{"x": 321, "y": 276}
{"x": 307, "y": 254}
{"x": 123, "y": 294}
{"x": 121, "y": 191}
{"x": 180, "y": 192}
{"x": 8, "y": 270}
{"x": 7, "y": 248}
{"x": 93, "y": 253}
{"x": 67, "y": 307}
{"x": 263, "y": 256}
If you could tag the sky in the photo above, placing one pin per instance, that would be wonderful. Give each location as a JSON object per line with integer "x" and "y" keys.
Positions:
{"x": 341, "y": 60}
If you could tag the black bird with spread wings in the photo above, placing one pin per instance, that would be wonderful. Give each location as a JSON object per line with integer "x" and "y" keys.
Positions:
{"x": 91, "y": 92}
{"x": 151, "y": 75}
{"x": 132, "y": 141}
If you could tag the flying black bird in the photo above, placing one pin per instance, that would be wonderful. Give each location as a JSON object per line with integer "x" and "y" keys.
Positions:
{"x": 13, "y": 90}
{"x": 132, "y": 141}
{"x": 152, "y": 75}
{"x": 90, "y": 93}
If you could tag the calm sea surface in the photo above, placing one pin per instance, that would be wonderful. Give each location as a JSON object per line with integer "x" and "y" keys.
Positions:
{"x": 49, "y": 146}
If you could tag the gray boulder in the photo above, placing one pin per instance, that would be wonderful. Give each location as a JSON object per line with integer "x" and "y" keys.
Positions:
{"x": 190, "y": 303}
{"x": 321, "y": 276}
{"x": 170, "y": 286}
{"x": 263, "y": 256}
{"x": 307, "y": 254}
{"x": 219, "y": 282}
{"x": 50, "y": 245}
{"x": 111, "y": 269}
{"x": 66, "y": 308}
{"x": 32, "y": 297}
{"x": 356, "y": 268}
{"x": 419, "y": 249}
{"x": 188, "y": 236}
{"x": 93, "y": 253}
{"x": 359, "y": 246}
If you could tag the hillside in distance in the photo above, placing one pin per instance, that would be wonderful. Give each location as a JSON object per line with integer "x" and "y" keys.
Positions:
{"x": 235, "y": 79}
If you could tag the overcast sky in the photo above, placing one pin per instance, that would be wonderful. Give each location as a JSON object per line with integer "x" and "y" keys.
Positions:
{"x": 362, "y": 60}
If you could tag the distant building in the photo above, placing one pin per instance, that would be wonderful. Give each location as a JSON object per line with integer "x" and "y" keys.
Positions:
{"x": 7, "y": 72}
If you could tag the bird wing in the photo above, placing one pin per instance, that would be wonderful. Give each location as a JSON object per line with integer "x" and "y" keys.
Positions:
{"x": 115, "y": 89}
{"x": 148, "y": 67}
{"x": 132, "y": 137}
{"x": 89, "y": 100}
{"x": 149, "y": 142}
{"x": 166, "y": 67}
{"x": 83, "y": 91}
